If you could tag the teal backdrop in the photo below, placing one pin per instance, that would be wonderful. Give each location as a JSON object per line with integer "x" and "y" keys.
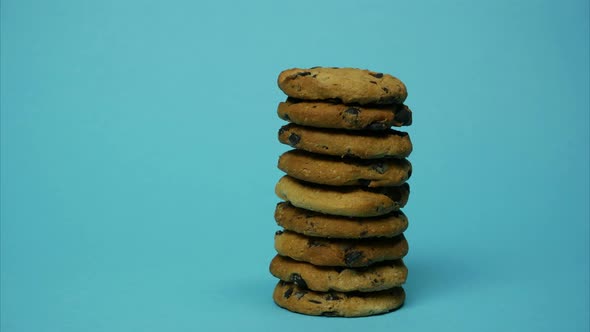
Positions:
{"x": 139, "y": 150}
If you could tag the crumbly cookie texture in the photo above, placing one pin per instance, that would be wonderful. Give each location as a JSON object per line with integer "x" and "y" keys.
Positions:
{"x": 355, "y": 304}
{"x": 339, "y": 252}
{"x": 329, "y": 226}
{"x": 347, "y": 85}
{"x": 374, "y": 278}
{"x": 342, "y": 201}
{"x": 336, "y": 171}
{"x": 340, "y": 116}
{"x": 365, "y": 145}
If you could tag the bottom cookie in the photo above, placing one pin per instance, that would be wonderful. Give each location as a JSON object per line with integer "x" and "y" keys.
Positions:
{"x": 354, "y": 304}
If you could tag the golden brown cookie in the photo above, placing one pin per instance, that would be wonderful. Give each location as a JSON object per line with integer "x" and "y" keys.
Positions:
{"x": 373, "y": 278}
{"x": 343, "y": 143}
{"x": 329, "y": 226}
{"x": 348, "y": 85}
{"x": 342, "y": 201}
{"x": 336, "y": 171}
{"x": 339, "y": 252}
{"x": 340, "y": 116}
{"x": 354, "y": 304}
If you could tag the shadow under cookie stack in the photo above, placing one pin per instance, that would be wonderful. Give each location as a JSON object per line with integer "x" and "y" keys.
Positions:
{"x": 341, "y": 250}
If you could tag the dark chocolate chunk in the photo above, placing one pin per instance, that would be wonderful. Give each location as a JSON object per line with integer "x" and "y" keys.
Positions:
{"x": 294, "y": 139}
{"x": 315, "y": 301}
{"x": 352, "y": 256}
{"x": 377, "y": 126}
{"x": 353, "y": 111}
{"x": 385, "y": 89}
{"x": 373, "y": 82}
{"x": 364, "y": 182}
{"x": 332, "y": 297}
{"x": 296, "y": 278}
{"x": 303, "y": 73}
{"x": 379, "y": 168}
{"x": 377, "y": 75}
{"x": 288, "y": 292}
{"x": 404, "y": 116}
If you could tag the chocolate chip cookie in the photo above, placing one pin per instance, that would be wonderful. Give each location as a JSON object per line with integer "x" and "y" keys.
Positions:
{"x": 347, "y": 85}
{"x": 354, "y": 304}
{"x": 340, "y": 116}
{"x": 329, "y": 226}
{"x": 342, "y": 201}
{"x": 336, "y": 171}
{"x": 373, "y": 278}
{"x": 339, "y": 252}
{"x": 343, "y": 143}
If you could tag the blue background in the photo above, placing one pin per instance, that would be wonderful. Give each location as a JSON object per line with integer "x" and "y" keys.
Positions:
{"x": 139, "y": 156}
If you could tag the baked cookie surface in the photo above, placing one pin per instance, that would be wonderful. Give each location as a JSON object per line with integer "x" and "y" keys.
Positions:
{"x": 374, "y": 278}
{"x": 347, "y": 85}
{"x": 355, "y": 304}
{"x": 337, "y": 171}
{"x": 342, "y": 201}
{"x": 329, "y": 226}
{"x": 359, "y": 144}
{"x": 339, "y": 252}
{"x": 341, "y": 116}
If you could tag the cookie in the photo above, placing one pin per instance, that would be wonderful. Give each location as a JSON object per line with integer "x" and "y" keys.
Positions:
{"x": 342, "y": 143}
{"x": 336, "y": 171}
{"x": 324, "y": 225}
{"x": 374, "y": 278}
{"x": 342, "y": 201}
{"x": 341, "y": 116}
{"x": 339, "y": 252}
{"x": 355, "y": 304}
{"x": 347, "y": 85}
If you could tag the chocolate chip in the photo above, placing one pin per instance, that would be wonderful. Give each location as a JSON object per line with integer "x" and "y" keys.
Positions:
{"x": 352, "y": 110}
{"x": 385, "y": 89}
{"x": 332, "y": 297}
{"x": 303, "y": 73}
{"x": 352, "y": 256}
{"x": 315, "y": 243}
{"x": 373, "y": 82}
{"x": 296, "y": 278}
{"x": 278, "y": 232}
{"x": 377, "y": 126}
{"x": 364, "y": 182}
{"x": 379, "y": 168}
{"x": 324, "y": 147}
{"x": 294, "y": 139}
{"x": 403, "y": 116}
{"x": 288, "y": 292}
{"x": 377, "y": 75}
{"x": 315, "y": 301}
{"x": 300, "y": 293}
{"x": 329, "y": 313}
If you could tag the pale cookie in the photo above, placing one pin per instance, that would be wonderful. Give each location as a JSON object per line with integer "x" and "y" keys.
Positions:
{"x": 336, "y": 171}
{"x": 347, "y": 85}
{"x": 340, "y": 116}
{"x": 339, "y": 252}
{"x": 355, "y": 304}
{"x": 324, "y": 225}
{"x": 342, "y": 201}
{"x": 343, "y": 143}
{"x": 374, "y": 278}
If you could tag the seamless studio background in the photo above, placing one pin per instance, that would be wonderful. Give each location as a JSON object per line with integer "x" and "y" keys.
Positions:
{"x": 139, "y": 150}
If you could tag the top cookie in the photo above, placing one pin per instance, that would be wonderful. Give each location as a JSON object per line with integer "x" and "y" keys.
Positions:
{"x": 348, "y": 85}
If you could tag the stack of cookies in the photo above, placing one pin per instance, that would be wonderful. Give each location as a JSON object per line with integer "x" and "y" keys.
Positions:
{"x": 340, "y": 252}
